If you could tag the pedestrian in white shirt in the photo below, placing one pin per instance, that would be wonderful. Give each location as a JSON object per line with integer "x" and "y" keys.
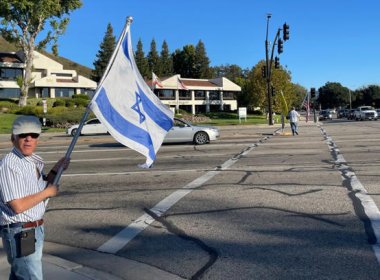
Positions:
{"x": 293, "y": 119}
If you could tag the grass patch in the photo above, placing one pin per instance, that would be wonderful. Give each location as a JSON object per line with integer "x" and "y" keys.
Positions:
{"x": 6, "y": 121}
{"x": 251, "y": 119}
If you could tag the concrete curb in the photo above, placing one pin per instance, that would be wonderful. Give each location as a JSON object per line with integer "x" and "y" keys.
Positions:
{"x": 61, "y": 262}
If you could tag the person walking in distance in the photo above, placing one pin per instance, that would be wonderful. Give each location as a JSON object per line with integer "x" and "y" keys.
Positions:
{"x": 293, "y": 119}
{"x": 24, "y": 189}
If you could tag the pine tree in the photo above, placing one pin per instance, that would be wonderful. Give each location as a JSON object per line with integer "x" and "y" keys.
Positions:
{"x": 141, "y": 61}
{"x": 104, "y": 54}
{"x": 202, "y": 62}
{"x": 166, "y": 61}
{"x": 184, "y": 62}
{"x": 153, "y": 58}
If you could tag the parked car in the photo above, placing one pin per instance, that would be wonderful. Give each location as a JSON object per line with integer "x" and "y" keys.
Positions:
{"x": 181, "y": 132}
{"x": 325, "y": 115}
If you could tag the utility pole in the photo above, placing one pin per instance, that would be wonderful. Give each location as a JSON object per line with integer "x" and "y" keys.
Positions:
{"x": 268, "y": 62}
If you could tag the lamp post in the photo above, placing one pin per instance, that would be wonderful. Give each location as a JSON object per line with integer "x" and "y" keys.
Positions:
{"x": 267, "y": 70}
{"x": 268, "y": 62}
{"x": 349, "y": 94}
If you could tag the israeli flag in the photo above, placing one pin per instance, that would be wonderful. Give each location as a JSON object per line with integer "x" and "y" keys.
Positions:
{"x": 125, "y": 104}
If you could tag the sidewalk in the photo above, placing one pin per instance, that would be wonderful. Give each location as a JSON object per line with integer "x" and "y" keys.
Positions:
{"x": 82, "y": 264}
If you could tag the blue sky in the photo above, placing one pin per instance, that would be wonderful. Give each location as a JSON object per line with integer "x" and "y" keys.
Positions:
{"x": 330, "y": 40}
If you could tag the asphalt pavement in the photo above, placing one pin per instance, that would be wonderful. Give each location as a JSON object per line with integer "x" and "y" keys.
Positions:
{"x": 61, "y": 262}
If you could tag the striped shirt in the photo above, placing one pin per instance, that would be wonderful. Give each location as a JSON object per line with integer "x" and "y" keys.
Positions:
{"x": 20, "y": 176}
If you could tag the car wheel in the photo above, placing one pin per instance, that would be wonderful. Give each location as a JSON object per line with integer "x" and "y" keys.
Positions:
{"x": 73, "y": 132}
{"x": 200, "y": 138}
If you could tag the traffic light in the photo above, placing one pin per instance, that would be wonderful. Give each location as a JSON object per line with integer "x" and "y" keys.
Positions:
{"x": 277, "y": 62}
{"x": 312, "y": 92}
{"x": 285, "y": 29}
{"x": 264, "y": 71}
{"x": 273, "y": 91}
{"x": 280, "y": 46}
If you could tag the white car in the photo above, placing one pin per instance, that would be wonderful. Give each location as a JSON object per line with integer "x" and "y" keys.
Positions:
{"x": 181, "y": 132}
{"x": 92, "y": 126}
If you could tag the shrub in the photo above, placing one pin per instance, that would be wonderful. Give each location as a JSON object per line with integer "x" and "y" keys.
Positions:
{"x": 81, "y": 102}
{"x": 8, "y": 105}
{"x": 80, "y": 96}
{"x": 69, "y": 103}
{"x": 59, "y": 102}
{"x": 63, "y": 117}
{"x": 26, "y": 110}
{"x": 221, "y": 115}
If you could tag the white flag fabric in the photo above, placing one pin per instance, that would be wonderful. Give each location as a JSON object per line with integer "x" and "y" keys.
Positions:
{"x": 125, "y": 104}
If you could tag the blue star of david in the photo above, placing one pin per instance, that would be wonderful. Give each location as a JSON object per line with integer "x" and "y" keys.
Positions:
{"x": 136, "y": 107}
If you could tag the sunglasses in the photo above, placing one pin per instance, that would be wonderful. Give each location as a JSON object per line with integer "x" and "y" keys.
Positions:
{"x": 24, "y": 135}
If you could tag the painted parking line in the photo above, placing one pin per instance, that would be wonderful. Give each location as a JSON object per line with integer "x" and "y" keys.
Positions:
{"x": 122, "y": 238}
{"x": 353, "y": 183}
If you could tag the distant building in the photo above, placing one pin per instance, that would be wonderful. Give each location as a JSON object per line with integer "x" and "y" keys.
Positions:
{"x": 11, "y": 66}
{"x": 49, "y": 79}
{"x": 197, "y": 95}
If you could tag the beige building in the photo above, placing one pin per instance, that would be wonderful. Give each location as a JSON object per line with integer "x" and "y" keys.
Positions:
{"x": 49, "y": 79}
{"x": 197, "y": 95}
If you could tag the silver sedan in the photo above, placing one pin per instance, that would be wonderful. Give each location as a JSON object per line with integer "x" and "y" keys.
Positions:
{"x": 183, "y": 131}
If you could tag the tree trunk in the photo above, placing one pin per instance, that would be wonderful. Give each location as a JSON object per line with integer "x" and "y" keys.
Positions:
{"x": 29, "y": 55}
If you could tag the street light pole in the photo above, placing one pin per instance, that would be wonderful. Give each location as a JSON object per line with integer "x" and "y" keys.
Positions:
{"x": 349, "y": 92}
{"x": 267, "y": 73}
{"x": 269, "y": 62}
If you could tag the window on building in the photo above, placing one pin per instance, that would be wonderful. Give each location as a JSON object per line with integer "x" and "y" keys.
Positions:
{"x": 64, "y": 92}
{"x": 199, "y": 94}
{"x": 10, "y": 73}
{"x": 10, "y": 92}
{"x": 228, "y": 95}
{"x": 62, "y": 74}
{"x": 184, "y": 94}
{"x": 45, "y": 92}
{"x": 165, "y": 94}
{"x": 214, "y": 95}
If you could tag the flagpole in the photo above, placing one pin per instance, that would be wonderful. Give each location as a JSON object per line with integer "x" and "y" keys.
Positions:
{"x": 87, "y": 112}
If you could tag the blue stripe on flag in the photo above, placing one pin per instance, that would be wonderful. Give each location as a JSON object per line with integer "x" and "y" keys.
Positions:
{"x": 126, "y": 49}
{"x": 121, "y": 125}
{"x": 154, "y": 112}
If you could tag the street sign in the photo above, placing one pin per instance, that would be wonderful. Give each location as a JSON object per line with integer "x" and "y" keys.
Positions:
{"x": 242, "y": 113}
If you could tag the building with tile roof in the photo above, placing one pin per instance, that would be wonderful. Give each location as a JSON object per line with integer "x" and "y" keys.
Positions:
{"x": 51, "y": 80}
{"x": 197, "y": 95}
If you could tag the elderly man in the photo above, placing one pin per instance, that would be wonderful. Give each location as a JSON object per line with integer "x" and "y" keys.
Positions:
{"x": 24, "y": 189}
